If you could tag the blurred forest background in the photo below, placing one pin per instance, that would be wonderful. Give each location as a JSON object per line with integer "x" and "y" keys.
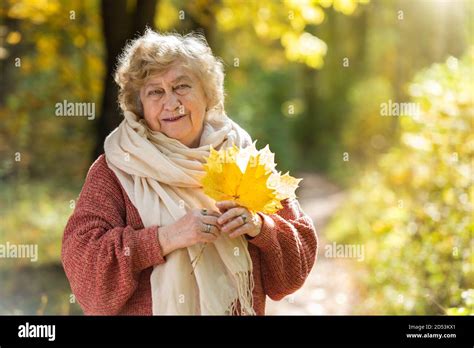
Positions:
{"x": 308, "y": 77}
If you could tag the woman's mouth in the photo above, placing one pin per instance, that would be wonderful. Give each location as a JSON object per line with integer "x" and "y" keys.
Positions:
{"x": 174, "y": 119}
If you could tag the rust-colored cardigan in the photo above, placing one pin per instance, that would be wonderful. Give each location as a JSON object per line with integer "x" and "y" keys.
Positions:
{"x": 108, "y": 255}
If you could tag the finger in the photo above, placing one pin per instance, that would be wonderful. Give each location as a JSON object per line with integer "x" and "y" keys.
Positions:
{"x": 208, "y": 237}
{"x": 211, "y": 220}
{"x": 209, "y": 212}
{"x": 225, "y": 205}
{"x": 214, "y": 229}
{"x": 230, "y": 214}
{"x": 240, "y": 231}
{"x": 232, "y": 224}
{"x": 214, "y": 213}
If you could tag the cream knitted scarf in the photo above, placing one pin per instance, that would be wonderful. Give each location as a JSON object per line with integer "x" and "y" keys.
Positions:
{"x": 162, "y": 179}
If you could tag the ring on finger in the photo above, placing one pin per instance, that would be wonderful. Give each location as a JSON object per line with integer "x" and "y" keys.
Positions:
{"x": 244, "y": 218}
{"x": 204, "y": 211}
{"x": 208, "y": 228}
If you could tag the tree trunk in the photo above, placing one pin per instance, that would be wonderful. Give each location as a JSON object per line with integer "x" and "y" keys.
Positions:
{"x": 202, "y": 20}
{"x": 118, "y": 26}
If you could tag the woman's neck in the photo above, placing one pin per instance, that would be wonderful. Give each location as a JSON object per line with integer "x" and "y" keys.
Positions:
{"x": 193, "y": 143}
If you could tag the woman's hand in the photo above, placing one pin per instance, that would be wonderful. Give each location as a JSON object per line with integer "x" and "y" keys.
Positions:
{"x": 197, "y": 226}
{"x": 237, "y": 220}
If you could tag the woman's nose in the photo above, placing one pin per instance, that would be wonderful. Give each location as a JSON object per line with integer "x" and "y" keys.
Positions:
{"x": 171, "y": 102}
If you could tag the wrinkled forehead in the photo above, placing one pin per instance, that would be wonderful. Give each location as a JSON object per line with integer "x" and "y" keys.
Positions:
{"x": 176, "y": 73}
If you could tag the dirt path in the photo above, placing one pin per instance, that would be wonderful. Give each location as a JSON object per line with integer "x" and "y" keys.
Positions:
{"x": 330, "y": 288}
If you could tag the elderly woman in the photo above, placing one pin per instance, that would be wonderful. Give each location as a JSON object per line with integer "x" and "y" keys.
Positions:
{"x": 142, "y": 217}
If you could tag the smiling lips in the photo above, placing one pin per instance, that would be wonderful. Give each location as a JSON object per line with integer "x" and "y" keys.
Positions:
{"x": 174, "y": 119}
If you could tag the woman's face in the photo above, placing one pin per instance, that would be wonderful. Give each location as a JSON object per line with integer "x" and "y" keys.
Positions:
{"x": 174, "y": 103}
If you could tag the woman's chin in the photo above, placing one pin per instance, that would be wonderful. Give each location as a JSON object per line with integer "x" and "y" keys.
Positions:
{"x": 177, "y": 135}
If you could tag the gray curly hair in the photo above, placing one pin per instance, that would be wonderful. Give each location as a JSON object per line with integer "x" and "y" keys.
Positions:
{"x": 154, "y": 53}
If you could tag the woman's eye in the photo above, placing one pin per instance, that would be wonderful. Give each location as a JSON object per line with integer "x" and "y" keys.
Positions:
{"x": 182, "y": 87}
{"x": 155, "y": 92}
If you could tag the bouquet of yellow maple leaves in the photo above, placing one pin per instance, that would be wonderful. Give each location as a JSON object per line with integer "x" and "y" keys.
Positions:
{"x": 248, "y": 177}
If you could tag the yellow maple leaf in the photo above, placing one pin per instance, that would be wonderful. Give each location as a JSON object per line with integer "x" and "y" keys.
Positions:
{"x": 248, "y": 177}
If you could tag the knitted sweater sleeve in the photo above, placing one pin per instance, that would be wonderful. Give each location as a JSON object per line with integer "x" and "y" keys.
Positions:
{"x": 102, "y": 257}
{"x": 287, "y": 244}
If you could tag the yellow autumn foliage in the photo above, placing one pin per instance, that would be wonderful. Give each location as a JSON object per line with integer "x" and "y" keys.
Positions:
{"x": 248, "y": 177}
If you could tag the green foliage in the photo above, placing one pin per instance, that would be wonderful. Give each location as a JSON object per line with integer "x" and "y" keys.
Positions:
{"x": 413, "y": 211}
{"x": 35, "y": 213}
{"x": 36, "y": 291}
{"x": 286, "y": 22}
{"x": 56, "y": 54}
{"x": 257, "y": 110}
{"x": 384, "y": 50}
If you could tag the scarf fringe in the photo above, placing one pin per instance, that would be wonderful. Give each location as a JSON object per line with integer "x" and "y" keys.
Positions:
{"x": 243, "y": 304}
